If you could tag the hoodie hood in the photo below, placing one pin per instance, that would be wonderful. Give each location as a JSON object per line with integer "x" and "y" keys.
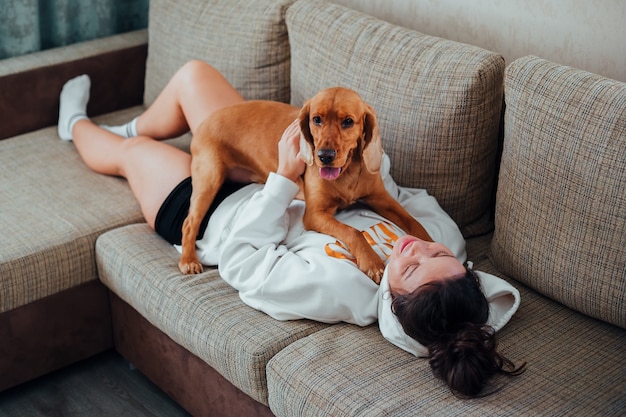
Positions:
{"x": 503, "y": 298}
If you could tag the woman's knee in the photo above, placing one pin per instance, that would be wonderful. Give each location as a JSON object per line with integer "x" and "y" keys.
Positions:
{"x": 143, "y": 156}
{"x": 130, "y": 144}
{"x": 133, "y": 148}
{"x": 147, "y": 149}
{"x": 196, "y": 70}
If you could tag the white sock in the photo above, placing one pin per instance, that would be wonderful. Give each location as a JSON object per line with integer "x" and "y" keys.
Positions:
{"x": 73, "y": 104}
{"x": 127, "y": 130}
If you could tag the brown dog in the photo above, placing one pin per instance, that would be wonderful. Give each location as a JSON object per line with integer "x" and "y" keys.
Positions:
{"x": 340, "y": 144}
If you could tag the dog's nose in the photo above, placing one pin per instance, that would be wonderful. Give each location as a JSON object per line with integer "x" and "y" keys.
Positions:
{"x": 327, "y": 156}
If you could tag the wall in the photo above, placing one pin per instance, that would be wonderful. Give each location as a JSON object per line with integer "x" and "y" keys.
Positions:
{"x": 33, "y": 25}
{"x": 586, "y": 34}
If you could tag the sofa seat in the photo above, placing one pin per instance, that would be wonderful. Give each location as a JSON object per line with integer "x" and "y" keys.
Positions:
{"x": 53, "y": 209}
{"x": 200, "y": 312}
{"x": 332, "y": 372}
{"x": 52, "y": 307}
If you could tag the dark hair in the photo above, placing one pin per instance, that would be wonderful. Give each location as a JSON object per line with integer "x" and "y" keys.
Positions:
{"x": 449, "y": 318}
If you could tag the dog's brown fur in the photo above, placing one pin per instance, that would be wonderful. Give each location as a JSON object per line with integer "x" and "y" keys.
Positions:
{"x": 338, "y": 127}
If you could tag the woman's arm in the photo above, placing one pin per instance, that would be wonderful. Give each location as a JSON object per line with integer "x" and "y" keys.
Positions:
{"x": 264, "y": 222}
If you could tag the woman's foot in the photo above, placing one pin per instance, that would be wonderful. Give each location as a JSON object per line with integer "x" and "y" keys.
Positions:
{"x": 73, "y": 104}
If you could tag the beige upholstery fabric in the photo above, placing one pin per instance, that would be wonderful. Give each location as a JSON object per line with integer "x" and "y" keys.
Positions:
{"x": 249, "y": 45}
{"x": 438, "y": 102}
{"x": 345, "y": 370}
{"x": 53, "y": 209}
{"x": 561, "y": 204}
{"x": 200, "y": 312}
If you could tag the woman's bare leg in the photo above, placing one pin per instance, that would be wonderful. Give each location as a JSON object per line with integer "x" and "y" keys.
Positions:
{"x": 195, "y": 91}
{"x": 152, "y": 168}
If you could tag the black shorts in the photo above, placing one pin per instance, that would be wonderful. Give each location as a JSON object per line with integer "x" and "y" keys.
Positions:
{"x": 169, "y": 220}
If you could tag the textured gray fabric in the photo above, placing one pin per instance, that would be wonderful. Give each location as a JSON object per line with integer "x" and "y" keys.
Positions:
{"x": 53, "y": 209}
{"x": 246, "y": 41}
{"x": 200, "y": 312}
{"x": 438, "y": 102}
{"x": 561, "y": 203}
{"x": 345, "y": 370}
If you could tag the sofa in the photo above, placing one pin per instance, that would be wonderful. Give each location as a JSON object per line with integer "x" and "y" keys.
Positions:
{"x": 528, "y": 157}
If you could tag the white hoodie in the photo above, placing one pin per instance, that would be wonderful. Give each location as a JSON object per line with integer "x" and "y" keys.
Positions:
{"x": 257, "y": 239}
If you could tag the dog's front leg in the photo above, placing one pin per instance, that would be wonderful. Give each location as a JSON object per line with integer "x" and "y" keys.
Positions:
{"x": 366, "y": 258}
{"x": 389, "y": 208}
{"x": 189, "y": 263}
{"x": 206, "y": 177}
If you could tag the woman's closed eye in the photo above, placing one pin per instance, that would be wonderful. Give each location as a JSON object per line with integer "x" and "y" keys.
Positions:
{"x": 411, "y": 268}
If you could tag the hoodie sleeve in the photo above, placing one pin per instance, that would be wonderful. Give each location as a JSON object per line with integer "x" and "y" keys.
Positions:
{"x": 253, "y": 244}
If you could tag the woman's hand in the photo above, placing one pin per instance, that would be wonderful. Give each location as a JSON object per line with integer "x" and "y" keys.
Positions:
{"x": 290, "y": 165}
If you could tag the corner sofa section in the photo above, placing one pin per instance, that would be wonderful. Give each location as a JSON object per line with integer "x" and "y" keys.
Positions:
{"x": 81, "y": 272}
{"x": 53, "y": 309}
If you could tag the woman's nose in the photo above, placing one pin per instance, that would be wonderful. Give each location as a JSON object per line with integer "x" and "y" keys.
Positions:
{"x": 428, "y": 249}
{"x": 420, "y": 247}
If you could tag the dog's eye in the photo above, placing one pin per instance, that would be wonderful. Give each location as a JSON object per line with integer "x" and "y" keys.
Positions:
{"x": 317, "y": 120}
{"x": 347, "y": 123}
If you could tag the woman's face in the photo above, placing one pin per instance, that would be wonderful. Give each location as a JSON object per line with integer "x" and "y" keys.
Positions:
{"x": 415, "y": 262}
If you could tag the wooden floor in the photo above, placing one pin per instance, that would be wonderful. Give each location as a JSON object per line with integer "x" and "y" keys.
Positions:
{"x": 105, "y": 385}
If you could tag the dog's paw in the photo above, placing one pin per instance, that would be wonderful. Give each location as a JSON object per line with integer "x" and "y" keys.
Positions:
{"x": 191, "y": 267}
{"x": 376, "y": 275}
{"x": 374, "y": 270}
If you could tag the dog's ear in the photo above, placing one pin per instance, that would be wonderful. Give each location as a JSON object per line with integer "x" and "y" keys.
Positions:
{"x": 373, "y": 147}
{"x": 306, "y": 138}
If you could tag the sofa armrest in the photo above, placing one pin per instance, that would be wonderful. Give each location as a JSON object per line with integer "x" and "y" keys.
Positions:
{"x": 31, "y": 84}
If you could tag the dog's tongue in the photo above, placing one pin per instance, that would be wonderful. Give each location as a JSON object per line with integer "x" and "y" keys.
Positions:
{"x": 329, "y": 173}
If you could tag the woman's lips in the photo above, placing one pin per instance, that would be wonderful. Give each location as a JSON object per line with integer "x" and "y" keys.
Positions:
{"x": 407, "y": 241}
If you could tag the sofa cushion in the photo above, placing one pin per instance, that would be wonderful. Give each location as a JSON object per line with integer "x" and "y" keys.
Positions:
{"x": 575, "y": 366}
{"x": 438, "y": 102}
{"x": 53, "y": 209}
{"x": 201, "y": 312}
{"x": 249, "y": 45}
{"x": 561, "y": 202}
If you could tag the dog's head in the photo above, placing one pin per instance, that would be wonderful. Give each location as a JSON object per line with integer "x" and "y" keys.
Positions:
{"x": 336, "y": 124}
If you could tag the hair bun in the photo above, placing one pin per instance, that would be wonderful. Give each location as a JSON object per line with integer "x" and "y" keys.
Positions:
{"x": 466, "y": 360}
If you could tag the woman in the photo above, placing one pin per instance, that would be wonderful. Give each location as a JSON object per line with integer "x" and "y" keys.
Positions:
{"x": 428, "y": 302}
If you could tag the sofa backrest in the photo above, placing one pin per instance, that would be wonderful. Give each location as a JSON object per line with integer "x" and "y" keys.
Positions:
{"x": 561, "y": 200}
{"x": 438, "y": 102}
{"x": 247, "y": 42}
